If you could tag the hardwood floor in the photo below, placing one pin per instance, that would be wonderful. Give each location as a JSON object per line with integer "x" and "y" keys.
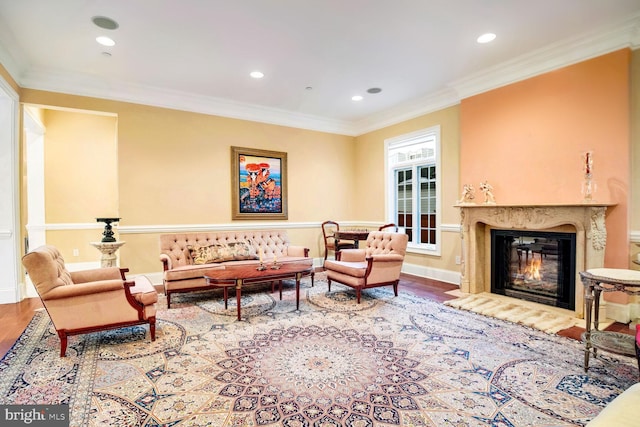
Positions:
{"x": 16, "y": 317}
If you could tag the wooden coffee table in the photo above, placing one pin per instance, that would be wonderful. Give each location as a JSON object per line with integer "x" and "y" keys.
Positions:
{"x": 240, "y": 275}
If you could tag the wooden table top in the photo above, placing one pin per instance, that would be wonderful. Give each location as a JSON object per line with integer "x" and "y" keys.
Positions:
{"x": 250, "y": 271}
{"x": 351, "y": 234}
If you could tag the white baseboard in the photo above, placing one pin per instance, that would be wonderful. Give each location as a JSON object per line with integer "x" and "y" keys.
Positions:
{"x": 623, "y": 313}
{"x": 446, "y": 276}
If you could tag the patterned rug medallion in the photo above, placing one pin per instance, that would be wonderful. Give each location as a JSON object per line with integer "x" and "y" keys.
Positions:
{"x": 390, "y": 361}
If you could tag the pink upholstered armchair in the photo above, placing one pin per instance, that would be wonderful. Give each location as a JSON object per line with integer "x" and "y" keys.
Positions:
{"x": 91, "y": 300}
{"x": 378, "y": 264}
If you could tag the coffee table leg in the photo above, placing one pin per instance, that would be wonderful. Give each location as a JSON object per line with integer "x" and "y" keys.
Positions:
{"x": 238, "y": 296}
{"x": 298, "y": 276}
{"x": 225, "y": 292}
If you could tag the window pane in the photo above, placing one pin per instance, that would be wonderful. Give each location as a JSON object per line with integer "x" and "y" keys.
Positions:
{"x": 427, "y": 204}
{"x": 413, "y": 203}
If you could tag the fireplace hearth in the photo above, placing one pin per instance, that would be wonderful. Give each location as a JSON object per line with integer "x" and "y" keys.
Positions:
{"x": 585, "y": 220}
{"x": 537, "y": 266}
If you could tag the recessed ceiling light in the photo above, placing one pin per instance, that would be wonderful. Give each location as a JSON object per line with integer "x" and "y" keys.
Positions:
{"x": 374, "y": 90}
{"x": 257, "y": 74}
{"x": 356, "y": 98}
{"x": 105, "y": 41}
{"x": 104, "y": 22}
{"x": 486, "y": 38}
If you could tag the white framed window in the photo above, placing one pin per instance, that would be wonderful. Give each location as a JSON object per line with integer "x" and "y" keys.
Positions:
{"x": 412, "y": 174}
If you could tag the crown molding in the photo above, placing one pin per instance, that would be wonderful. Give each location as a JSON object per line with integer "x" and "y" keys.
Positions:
{"x": 86, "y": 85}
{"x": 557, "y": 55}
{"x": 409, "y": 110}
{"x": 561, "y": 54}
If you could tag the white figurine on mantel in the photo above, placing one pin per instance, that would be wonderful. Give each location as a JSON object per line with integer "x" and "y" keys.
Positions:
{"x": 468, "y": 194}
{"x": 487, "y": 189}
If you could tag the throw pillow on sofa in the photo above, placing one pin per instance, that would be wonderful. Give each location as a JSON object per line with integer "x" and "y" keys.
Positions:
{"x": 220, "y": 253}
{"x": 241, "y": 251}
{"x": 206, "y": 254}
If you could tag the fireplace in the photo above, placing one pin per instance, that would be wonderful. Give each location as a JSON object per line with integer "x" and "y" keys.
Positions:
{"x": 537, "y": 266}
{"x": 584, "y": 220}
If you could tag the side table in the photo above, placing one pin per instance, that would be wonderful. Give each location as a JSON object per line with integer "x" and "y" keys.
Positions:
{"x": 595, "y": 282}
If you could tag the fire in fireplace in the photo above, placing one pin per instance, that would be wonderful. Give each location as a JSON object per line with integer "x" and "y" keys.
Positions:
{"x": 537, "y": 266}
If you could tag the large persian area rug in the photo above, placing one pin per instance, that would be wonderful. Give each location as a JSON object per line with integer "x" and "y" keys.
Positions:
{"x": 389, "y": 361}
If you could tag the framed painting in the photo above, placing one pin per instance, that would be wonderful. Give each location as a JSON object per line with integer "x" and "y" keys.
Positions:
{"x": 259, "y": 184}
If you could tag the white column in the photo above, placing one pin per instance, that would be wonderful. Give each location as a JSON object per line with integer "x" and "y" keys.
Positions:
{"x": 9, "y": 197}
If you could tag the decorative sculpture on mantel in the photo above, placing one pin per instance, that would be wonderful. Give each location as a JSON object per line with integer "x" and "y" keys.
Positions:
{"x": 468, "y": 194}
{"x": 588, "y": 185}
{"x": 487, "y": 189}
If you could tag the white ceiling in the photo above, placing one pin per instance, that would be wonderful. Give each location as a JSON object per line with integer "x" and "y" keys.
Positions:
{"x": 197, "y": 54}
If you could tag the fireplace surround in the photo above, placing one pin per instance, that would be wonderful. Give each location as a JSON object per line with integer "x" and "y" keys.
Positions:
{"x": 586, "y": 220}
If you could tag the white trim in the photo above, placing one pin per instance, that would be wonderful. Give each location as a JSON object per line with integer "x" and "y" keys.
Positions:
{"x": 557, "y": 55}
{"x": 634, "y": 237}
{"x": 389, "y": 173}
{"x": 447, "y": 276}
{"x": 187, "y": 228}
{"x": 623, "y": 313}
{"x": 85, "y": 85}
{"x": 561, "y": 54}
{"x": 65, "y": 226}
{"x": 450, "y": 228}
{"x": 10, "y": 284}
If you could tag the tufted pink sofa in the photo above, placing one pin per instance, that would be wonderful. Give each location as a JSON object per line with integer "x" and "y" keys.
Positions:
{"x": 378, "y": 264}
{"x": 181, "y": 274}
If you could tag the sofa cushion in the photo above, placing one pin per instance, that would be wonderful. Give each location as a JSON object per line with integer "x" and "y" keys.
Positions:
{"x": 190, "y": 272}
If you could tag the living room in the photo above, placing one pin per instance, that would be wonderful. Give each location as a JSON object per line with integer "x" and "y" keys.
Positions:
{"x": 162, "y": 169}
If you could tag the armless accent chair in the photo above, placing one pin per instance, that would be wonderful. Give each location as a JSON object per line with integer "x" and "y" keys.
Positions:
{"x": 378, "y": 264}
{"x": 91, "y": 300}
{"x": 330, "y": 243}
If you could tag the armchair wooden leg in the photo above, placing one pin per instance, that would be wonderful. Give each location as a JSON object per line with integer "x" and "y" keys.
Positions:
{"x": 395, "y": 288}
{"x": 63, "y": 343}
{"x": 168, "y": 299}
{"x": 329, "y": 284}
{"x": 152, "y": 328}
{"x": 358, "y": 292}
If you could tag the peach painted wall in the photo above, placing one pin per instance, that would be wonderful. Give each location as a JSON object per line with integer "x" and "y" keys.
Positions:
{"x": 527, "y": 140}
{"x": 173, "y": 168}
{"x": 81, "y": 177}
{"x": 369, "y": 157}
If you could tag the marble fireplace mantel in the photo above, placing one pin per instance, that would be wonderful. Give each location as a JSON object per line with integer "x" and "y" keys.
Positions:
{"x": 587, "y": 220}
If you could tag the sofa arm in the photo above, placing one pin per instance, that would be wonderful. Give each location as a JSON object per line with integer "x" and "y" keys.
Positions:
{"x": 387, "y": 258}
{"x": 166, "y": 262}
{"x": 88, "y": 288}
{"x": 299, "y": 251}
{"x": 351, "y": 255}
{"x": 97, "y": 274}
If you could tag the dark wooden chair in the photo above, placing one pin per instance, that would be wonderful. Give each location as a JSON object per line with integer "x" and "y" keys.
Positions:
{"x": 330, "y": 243}
{"x": 389, "y": 227}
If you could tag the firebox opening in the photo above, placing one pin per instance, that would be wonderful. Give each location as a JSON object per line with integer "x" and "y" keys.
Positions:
{"x": 537, "y": 266}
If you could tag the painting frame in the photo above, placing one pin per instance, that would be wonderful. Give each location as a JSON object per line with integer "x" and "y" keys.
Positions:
{"x": 258, "y": 184}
